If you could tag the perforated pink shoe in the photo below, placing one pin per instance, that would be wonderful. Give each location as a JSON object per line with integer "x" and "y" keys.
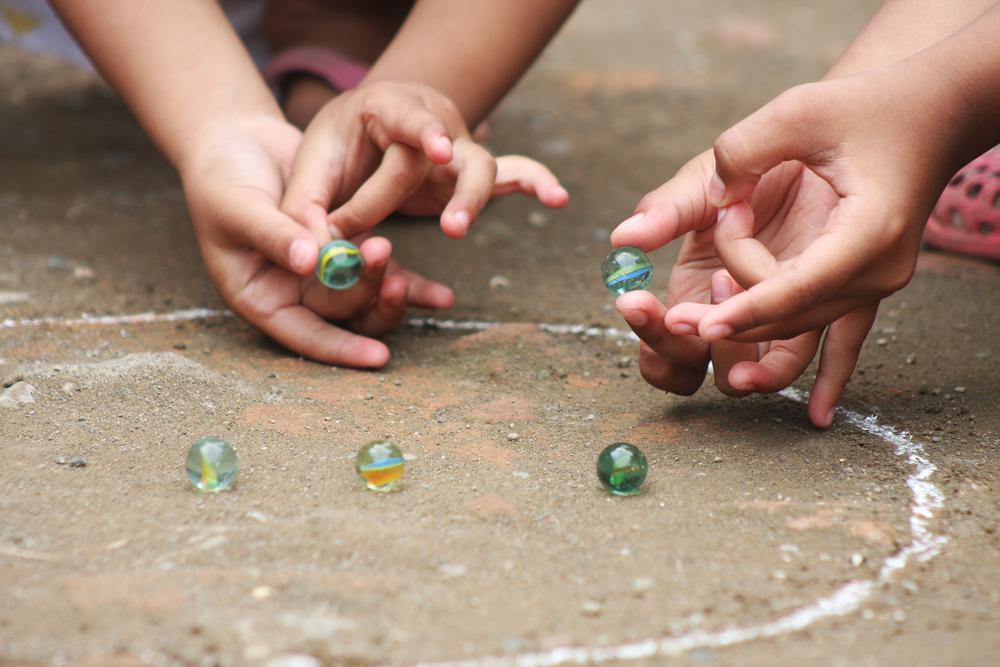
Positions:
{"x": 966, "y": 219}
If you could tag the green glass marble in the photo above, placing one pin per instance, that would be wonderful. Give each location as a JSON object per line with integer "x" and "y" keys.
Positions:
{"x": 212, "y": 464}
{"x": 622, "y": 468}
{"x": 626, "y": 269}
{"x": 340, "y": 264}
{"x": 380, "y": 464}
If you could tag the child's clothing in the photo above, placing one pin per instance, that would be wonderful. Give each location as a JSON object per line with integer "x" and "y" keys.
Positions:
{"x": 32, "y": 25}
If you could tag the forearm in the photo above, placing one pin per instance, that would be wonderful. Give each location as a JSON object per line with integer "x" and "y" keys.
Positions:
{"x": 969, "y": 64}
{"x": 902, "y": 28}
{"x": 177, "y": 63}
{"x": 473, "y": 51}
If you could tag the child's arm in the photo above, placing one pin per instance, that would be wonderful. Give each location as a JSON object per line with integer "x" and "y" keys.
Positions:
{"x": 184, "y": 72}
{"x": 178, "y": 65}
{"x": 473, "y": 51}
{"x": 884, "y": 107}
{"x": 886, "y": 141}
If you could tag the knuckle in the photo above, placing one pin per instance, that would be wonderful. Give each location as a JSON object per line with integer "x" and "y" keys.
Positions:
{"x": 898, "y": 278}
{"x": 795, "y": 106}
{"x": 728, "y": 148}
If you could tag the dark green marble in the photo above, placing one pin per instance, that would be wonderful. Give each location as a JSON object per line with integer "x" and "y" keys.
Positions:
{"x": 622, "y": 468}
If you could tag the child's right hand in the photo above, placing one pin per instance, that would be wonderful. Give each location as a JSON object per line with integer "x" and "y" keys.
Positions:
{"x": 824, "y": 192}
{"x": 262, "y": 261}
{"x": 387, "y": 147}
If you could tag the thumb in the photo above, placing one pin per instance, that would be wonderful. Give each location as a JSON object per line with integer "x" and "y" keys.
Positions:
{"x": 793, "y": 126}
{"x": 261, "y": 226}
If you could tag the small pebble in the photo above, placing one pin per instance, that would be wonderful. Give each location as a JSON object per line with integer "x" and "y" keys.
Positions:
{"x": 180, "y": 346}
{"x": 911, "y": 358}
{"x": 499, "y": 281}
{"x": 513, "y": 436}
{"x": 293, "y": 661}
{"x": 261, "y": 592}
{"x": 83, "y": 273}
{"x": 641, "y": 586}
{"x": 537, "y": 219}
{"x": 882, "y": 342}
{"x": 78, "y": 463}
{"x": 57, "y": 263}
{"x": 857, "y": 560}
{"x": 17, "y": 394}
{"x": 959, "y": 390}
{"x": 452, "y": 570}
{"x": 592, "y": 608}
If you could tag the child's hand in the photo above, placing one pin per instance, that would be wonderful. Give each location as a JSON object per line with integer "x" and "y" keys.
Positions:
{"x": 387, "y": 147}
{"x": 881, "y": 156}
{"x": 676, "y": 361}
{"x": 262, "y": 261}
{"x": 825, "y": 192}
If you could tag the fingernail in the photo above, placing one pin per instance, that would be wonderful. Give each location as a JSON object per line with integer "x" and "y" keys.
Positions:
{"x": 829, "y": 416}
{"x": 443, "y": 143}
{"x": 462, "y": 218}
{"x": 722, "y": 289}
{"x": 636, "y": 318}
{"x": 299, "y": 254}
{"x": 682, "y": 329}
{"x": 722, "y": 213}
{"x": 562, "y": 192}
{"x": 718, "y": 332}
{"x": 716, "y": 191}
{"x": 632, "y": 222}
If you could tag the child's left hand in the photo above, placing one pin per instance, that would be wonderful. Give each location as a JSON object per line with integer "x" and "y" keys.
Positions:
{"x": 262, "y": 261}
{"x": 387, "y": 147}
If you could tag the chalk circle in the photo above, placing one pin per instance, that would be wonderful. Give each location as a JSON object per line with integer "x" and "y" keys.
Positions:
{"x": 927, "y": 498}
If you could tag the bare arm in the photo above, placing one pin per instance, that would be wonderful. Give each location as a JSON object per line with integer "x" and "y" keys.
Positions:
{"x": 177, "y": 63}
{"x": 473, "y": 51}
{"x": 902, "y": 28}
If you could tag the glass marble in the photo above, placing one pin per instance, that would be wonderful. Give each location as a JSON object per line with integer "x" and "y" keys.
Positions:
{"x": 340, "y": 264}
{"x": 380, "y": 464}
{"x": 622, "y": 468}
{"x": 626, "y": 269}
{"x": 212, "y": 464}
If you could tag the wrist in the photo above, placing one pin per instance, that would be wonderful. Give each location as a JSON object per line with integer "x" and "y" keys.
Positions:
{"x": 204, "y": 144}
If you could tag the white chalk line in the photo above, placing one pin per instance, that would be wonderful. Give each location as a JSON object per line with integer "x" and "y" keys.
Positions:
{"x": 192, "y": 314}
{"x": 114, "y": 320}
{"x": 924, "y": 545}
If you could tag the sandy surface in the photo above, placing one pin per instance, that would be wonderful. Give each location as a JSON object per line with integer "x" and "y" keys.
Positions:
{"x": 496, "y": 546}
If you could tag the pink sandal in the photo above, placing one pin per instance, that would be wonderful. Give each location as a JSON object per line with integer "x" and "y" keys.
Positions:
{"x": 966, "y": 219}
{"x": 341, "y": 72}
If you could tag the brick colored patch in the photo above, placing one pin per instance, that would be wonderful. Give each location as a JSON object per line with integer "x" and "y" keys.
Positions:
{"x": 616, "y": 81}
{"x": 289, "y": 419}
{"x": 489, "y": 507}
{"x": 505, "y": 409}
{"x": 502, "y": 334}
{"x": 742, "y": 32}
{"x": 870, "y": 531}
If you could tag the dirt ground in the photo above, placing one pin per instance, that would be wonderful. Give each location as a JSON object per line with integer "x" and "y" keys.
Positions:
{"x": 758, "y": 540}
